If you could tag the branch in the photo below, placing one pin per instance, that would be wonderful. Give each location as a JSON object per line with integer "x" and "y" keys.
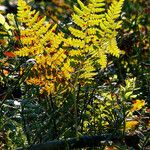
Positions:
{"x": 82, "y": 142}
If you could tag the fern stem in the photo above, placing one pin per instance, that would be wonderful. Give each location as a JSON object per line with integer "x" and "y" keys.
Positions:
{"x": 75, "y": 102}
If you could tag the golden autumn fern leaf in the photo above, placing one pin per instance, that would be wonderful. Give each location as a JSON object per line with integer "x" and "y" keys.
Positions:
{"x": 40, "y": 42}
{"x": 94, "y": 33}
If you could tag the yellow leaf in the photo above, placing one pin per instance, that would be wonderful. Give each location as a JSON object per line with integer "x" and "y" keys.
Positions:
{"x": 137, "y": 105}
{"x": 130, "y": 125}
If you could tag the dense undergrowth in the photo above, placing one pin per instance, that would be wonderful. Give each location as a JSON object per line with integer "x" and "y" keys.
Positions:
{"x": 74, "y": 68}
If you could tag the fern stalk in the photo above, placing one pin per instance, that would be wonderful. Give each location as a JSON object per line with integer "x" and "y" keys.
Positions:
{"x": 75, "y": 101}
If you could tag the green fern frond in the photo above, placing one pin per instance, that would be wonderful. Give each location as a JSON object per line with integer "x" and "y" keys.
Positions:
{"x": 95, "y": 33}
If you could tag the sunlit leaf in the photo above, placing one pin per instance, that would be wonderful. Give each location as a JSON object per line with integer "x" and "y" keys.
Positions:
{"x": 138, "y": 104}
{"x": 130, "y": 125}
{"x": 9, "y": 54}
{"x": 2, "y": 19}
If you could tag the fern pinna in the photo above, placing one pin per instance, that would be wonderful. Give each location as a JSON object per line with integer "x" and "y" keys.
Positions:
{"x": 93, "y": 35}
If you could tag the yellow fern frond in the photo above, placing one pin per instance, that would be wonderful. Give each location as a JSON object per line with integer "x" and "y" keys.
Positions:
{"x": 91, "y": 39}
{"x": 34, "y": 18}
{"x": 40, "y": 42}
{"x": 97, "y": 10}
{"x": 67, "y": 70}
{"x": 96, "y": 6}
{"x": 35, "y": 25}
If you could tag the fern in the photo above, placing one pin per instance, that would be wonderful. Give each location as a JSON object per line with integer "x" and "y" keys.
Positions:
{"x": 39, "y": 41}
{"x": 96, "y": 29}
{"x": 92, "y": 38}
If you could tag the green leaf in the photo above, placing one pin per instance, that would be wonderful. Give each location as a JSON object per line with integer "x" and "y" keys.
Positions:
{"x": 128, "y": 94}
{"x": 2, "y": 19}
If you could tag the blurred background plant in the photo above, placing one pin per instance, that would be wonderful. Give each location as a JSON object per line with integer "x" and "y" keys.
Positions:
{"x": 116, "y": 102}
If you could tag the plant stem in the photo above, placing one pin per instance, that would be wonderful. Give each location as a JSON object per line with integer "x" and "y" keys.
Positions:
{"x": 75, "y": 102}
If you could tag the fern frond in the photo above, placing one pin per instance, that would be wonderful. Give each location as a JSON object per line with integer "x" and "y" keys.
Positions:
{"x": 96, "y": 34}
{"x": 92, "y": 38}
{"x": 97, "y": 10}
{"x": 40, "y": 42}
{"x": 114, "y": 12}
{"x": 67, "y": 70}
{"x": 109, "y": 25}
{"x": 33, "y": 19}
{"x": 74, "y": 52}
